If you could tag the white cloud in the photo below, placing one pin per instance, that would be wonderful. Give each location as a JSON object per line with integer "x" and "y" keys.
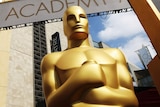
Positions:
{"x": 122, "y": 25}
{"x": 125, "y": 26}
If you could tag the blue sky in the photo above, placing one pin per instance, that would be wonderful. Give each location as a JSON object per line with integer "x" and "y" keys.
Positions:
{"x": 123, "y": 31}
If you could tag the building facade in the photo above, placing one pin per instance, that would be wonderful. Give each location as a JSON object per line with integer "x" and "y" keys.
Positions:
{"x": 16, "y": 89}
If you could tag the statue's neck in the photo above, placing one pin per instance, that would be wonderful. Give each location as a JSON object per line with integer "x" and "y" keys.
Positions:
{"x": 78, "y": 43}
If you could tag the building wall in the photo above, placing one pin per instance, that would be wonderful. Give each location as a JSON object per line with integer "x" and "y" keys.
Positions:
{"x": 133, "y": 68}
{"x": 5, "y": 37}
{"x": 20, "y": 73}
{"x": 16, "y": 67}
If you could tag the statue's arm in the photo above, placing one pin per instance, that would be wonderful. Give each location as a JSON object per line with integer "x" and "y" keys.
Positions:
{"x": 125, "y": 90}
{"x": 55, "y": 97}
{"x": 125, "y": 79}
{"x": 123, "y": 95}
{"x": 67, "y": 93}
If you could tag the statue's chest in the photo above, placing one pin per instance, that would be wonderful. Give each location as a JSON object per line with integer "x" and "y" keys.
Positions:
{"x": 72, "y": 59}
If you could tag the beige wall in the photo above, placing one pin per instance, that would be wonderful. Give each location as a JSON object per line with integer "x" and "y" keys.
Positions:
{"x": 16, "y": 68}
{"x": 20, "y": 91}
{"x": 5, "y": 37}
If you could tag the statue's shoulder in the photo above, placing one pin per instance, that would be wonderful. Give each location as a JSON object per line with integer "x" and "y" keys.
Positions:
{"x": 114, "y": 52}
{"x": 51, "y": 58}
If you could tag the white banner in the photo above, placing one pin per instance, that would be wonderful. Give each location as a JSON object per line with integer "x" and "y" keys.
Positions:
{"x": 28, "y": 11}
{"x": 144, "y": 55}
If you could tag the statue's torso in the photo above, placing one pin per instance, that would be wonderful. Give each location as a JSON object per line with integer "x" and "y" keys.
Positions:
{"x": 74, "y": 58}
{"x": 71, "y": 60}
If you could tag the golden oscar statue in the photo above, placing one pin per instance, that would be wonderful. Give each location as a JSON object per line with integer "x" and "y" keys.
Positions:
{"x": 83, "y": 76}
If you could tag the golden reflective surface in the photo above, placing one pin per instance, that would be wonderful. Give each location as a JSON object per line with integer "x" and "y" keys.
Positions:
{"x": 83, "y": 76}
{"x": 75, "y": 23}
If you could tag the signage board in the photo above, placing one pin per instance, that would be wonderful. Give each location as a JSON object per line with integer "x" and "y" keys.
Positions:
{"x": 55, "y": 43}
{"x": 28, "y": 11}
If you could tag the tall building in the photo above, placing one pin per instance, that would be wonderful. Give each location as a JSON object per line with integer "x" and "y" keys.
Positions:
{"x": 39, "y": 51}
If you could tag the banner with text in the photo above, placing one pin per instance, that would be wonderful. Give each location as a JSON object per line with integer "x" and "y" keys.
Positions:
{"x": 28, "y": 11}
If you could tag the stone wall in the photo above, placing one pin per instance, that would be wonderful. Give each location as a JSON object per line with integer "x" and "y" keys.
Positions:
{"x": 20, "y": 91}
{"x": 5, "y": 37}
